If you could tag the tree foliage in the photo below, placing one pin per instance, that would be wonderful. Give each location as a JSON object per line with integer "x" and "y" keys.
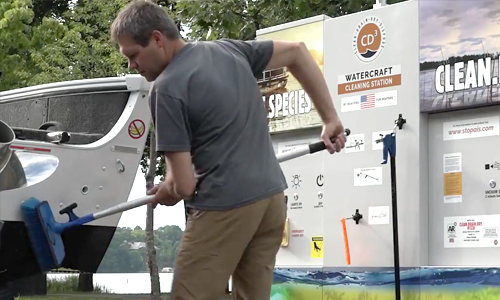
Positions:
{"x": 126, "y": 252}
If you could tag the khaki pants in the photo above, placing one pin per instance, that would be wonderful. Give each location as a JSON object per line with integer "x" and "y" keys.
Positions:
{"x": 241, "y": 242}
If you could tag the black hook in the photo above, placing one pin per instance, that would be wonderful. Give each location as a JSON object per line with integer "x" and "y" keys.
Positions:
{"x": 400, "y": 121}
{"x": 356, "y": 217}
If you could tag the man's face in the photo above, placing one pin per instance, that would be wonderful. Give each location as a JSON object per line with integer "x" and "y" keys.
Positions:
{"x": 148, "y": 61}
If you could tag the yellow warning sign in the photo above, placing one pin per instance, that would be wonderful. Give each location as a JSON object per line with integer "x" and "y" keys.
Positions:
{"x": 317, "y": 247}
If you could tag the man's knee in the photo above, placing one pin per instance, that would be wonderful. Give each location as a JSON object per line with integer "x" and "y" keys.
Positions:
{"x": 199, "y": 276}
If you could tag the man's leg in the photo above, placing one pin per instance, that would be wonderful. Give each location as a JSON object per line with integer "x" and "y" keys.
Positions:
{"x": 252, "y": 279}
{"x": 211, "y": 247}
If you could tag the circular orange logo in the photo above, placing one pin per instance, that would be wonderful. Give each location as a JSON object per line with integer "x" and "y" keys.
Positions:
{"x": 369, "y": 39}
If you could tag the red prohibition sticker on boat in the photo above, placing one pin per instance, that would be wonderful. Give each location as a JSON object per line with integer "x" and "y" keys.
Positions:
{"x": 136, "y": 129}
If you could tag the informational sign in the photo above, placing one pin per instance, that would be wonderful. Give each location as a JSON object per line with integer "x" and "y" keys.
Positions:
{"x": 291, "y": 145}
{"x": 369, "y": 101}
{"x": 491, "y": 194}
{"x": 317, "y": 247}
{"x": 377, "y": 139}
{"x": 298, "y": 233}
{"x": 493, "y": 166}
{"x": 369, "y": 79}
{"x": 296, "y": 202}
{"x": 378, "y": 215}
{"x": 471, "y": 231}
{"x": 355, "y": 143}
{"x": 368, "y": 176}
{"x": 471, "y": 128}
{"x": 452, "y": 177}
{"x": 458, "y": 70}
{"x": 493, "y": 191}
{"x": 289, "y": 107}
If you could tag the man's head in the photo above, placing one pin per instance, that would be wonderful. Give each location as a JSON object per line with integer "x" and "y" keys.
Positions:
{"x": 147, "y": 36}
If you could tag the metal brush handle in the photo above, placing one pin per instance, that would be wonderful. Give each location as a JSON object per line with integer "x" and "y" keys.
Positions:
{"x": 124, "y": 207}
{"x": 309, "y": 149}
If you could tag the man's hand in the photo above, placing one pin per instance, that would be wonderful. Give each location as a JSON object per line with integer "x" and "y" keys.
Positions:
{"x": 164, "y": 195}
{"x": 330, "y": 130}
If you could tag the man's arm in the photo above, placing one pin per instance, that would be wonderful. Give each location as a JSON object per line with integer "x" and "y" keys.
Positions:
{"x": 296, "y": 57}
{"x": 268, "y": 55}
{"x": 180, "y": 176}
{"x": 174, "y": 141}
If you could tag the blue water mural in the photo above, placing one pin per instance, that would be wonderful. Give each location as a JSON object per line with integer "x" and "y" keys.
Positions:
{"x": 416, "y": 283}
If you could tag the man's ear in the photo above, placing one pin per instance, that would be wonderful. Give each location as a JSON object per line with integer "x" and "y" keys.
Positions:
{"x": 157, "y": 38}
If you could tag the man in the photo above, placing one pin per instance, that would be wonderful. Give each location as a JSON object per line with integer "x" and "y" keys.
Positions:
{"x": 208, "y": 113}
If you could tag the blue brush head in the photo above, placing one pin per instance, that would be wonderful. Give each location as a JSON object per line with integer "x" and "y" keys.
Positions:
{"x": 43, "y": 232}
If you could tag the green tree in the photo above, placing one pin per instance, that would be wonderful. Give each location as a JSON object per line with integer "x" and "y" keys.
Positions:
{"x": 126, "y": 252}
{"x": 237, "y": 19}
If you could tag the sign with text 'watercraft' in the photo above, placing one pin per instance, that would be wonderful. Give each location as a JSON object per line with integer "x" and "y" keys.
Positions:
{"x": 369, "y": 79}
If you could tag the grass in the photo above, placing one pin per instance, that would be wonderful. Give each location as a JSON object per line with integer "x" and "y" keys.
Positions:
{"x": 100, "y": 297}
{"x": 91, "y": 297}
{"x": 66, "y": 288}
{"x": 69, "y": 284}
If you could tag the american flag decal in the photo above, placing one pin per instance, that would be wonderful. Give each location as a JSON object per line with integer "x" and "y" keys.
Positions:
{"x": 368, "y": 101}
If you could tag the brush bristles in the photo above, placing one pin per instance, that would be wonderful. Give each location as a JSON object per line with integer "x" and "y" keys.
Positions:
{"x": 39, "y": 243}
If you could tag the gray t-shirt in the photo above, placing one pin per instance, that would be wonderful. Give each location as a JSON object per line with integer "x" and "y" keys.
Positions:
{"x": 207, "y": 101}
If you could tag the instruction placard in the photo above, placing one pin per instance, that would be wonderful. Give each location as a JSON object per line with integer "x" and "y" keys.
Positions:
{"x": 369, "y": 101}
{"x": 355, "y": 143}
{"x": 452, "y": 177}
{"x": 317, "y": 247}
{"x": 368, "y": 176}
{"x": 471, "y": 231}
{"x": 377, "y": 139}
{"x": 378, "y": 215}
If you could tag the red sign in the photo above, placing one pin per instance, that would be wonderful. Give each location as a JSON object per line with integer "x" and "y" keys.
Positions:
{"x": 30, "y": 148}
{"x": 136, "y": 129}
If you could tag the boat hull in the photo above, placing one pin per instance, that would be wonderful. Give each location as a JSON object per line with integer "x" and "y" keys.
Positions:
{"x": 85, "y": 248}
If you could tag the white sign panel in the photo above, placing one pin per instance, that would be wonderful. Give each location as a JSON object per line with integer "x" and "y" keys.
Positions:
{"x": 452, "y": 177}
{"x": 371, "y": 74}
{"x": 471, "y": 128}
{"x": 291, "y": 145}
{"x": 471, "y": 231}
{"x": 378, "y": 215}
{"x": 368, "y": 176}
{"x": 355, "y": 143}
{"x": 377, "y": 137}
{"x": 369, "y": 101}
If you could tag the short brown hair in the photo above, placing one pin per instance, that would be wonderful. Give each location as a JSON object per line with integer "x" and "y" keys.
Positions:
{"x": 139, "y": 19}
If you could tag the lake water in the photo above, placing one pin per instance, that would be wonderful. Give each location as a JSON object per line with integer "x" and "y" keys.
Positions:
{"x": 127, "y": 283}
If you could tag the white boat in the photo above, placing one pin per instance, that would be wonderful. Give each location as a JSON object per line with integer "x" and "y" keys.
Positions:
{"x": 69, "y": 143}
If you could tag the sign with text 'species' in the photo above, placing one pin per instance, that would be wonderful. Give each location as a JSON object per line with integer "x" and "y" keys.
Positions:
{"x": 288, "y": 105}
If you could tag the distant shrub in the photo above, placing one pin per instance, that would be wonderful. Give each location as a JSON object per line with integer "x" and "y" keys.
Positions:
{"x": 69, "y": 284}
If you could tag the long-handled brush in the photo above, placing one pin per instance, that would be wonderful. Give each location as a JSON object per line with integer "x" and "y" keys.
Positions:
{"x": 45, "y": 233}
